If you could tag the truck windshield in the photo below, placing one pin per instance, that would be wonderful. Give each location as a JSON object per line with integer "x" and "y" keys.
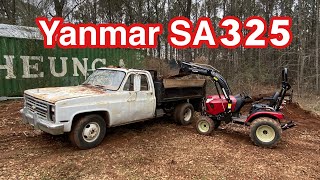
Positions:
{"x": 105, "y": 78}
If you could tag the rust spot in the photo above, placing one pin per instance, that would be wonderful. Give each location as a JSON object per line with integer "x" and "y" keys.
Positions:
{"x": 92, "y": 88}
{"x": 54, "y": 94}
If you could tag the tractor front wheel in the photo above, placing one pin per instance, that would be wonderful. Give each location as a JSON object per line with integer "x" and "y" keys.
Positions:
{"x": 205, "y": 125}
{"x": 265, "y": 132}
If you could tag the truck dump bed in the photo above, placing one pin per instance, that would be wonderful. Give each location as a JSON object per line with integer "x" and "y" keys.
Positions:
{"x": 177, "y": 89}
{"x": 168, "y": 90}
{"x": 183, "y": 83}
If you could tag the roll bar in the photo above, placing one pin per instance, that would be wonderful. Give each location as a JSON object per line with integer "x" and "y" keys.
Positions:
{"x": 285, "y": 75}
{"x": 285, "y": 86}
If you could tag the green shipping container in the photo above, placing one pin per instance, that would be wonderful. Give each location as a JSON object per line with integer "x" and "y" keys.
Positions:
{"x": 26, "y": 64}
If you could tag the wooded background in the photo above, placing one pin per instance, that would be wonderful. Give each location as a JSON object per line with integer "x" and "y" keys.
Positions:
{"x": 242, "y": 67}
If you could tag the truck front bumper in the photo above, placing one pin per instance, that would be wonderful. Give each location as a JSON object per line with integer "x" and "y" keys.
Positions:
{"x": 42, "y": 124}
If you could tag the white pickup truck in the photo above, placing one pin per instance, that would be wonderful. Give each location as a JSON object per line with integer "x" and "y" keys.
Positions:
{"x": 110, "y": 97}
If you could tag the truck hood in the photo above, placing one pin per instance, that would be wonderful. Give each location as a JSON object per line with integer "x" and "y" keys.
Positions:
{"x": 54, "y": 94}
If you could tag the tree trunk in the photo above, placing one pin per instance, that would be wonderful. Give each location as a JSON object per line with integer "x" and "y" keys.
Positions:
{"x": 58, "y": 7}
{"x": 188, "y": 9}
{"x": 157, "y": 21}
{"x": 94, "y": 21}
{"x": 170, "y": 50}
{"x": 317, "y": 47}
{"x": 302, "y": 48}
{"x": 13, "y": 15}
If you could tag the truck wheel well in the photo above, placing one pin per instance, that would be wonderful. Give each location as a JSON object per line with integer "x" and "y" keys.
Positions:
{"x": 103, "y": 114}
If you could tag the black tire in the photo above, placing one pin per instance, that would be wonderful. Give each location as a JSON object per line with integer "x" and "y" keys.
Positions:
{"x": 183, "y": 114}
{"x": 216, "y": 124}
{"x": 84, "y": 128}
{"x": 205, "y": 125}
{"x": 265, "y": 132}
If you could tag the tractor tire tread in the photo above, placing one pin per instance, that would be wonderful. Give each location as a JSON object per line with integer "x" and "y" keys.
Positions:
{"x": 265, "y": 121}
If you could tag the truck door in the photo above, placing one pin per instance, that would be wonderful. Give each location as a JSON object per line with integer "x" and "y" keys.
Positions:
{"x": 128, "y": 104}
{"x": 140, "y": 102}
{"x": 145, "y": 100}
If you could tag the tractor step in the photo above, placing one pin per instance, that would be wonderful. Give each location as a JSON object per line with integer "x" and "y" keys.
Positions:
{"x": 239, "y": 120}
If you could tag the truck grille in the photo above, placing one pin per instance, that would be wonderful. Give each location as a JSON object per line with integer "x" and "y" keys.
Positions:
{"x": 36, "y": 106}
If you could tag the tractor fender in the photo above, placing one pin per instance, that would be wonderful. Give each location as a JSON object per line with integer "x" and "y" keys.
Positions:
{"x": 274, "y": 115}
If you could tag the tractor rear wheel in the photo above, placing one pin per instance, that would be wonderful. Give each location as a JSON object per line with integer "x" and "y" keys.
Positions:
{"x": 265, "y": 132}
{"x": 205, "y": 125}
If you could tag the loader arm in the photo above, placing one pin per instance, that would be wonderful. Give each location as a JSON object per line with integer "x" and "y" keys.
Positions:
{"x": 206, "y": 70}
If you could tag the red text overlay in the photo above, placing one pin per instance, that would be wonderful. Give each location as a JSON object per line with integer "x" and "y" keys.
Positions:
{"x": 252, "y": 33}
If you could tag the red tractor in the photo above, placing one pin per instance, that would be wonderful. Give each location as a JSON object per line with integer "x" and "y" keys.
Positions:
{"x": 265, "y": 120}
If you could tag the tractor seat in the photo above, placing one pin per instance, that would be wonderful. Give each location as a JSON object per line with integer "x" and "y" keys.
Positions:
{"x": 272, "y": 100}
{"x": 258, "y": 107}
{"x": 239, "y": 104}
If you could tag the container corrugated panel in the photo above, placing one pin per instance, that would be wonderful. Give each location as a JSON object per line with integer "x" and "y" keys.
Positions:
{"x": 26, "y": 64}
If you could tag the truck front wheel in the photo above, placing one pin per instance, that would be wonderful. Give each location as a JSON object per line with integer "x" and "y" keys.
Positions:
{"x": 183, "y": 113}
{"x": 88, "y": 131}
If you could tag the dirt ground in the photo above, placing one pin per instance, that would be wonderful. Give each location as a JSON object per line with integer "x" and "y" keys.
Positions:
{"x": 159, "y": 149}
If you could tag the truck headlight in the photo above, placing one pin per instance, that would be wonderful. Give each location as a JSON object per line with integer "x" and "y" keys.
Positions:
{"x": 53, "y": 109}
{"x": 52, "y": 113}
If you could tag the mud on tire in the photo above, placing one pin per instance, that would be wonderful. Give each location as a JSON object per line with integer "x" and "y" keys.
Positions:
{"x": 88, "y": 131}
{"x": 265, "y": 132}
{"x": 205, "y": 125}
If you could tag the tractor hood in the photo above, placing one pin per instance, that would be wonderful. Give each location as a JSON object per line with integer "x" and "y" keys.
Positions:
{"x": 54, "y": 94}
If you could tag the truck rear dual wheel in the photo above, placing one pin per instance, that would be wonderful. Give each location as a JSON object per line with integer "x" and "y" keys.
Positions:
{"x": 206, "y": 125}
{"x": 265, "y": 132}
{"x": 183, "y": 113}
{"x": 88, "y": 131}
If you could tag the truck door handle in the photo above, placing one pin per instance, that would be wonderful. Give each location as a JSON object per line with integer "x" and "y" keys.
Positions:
{"x": 132, "y": 97}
